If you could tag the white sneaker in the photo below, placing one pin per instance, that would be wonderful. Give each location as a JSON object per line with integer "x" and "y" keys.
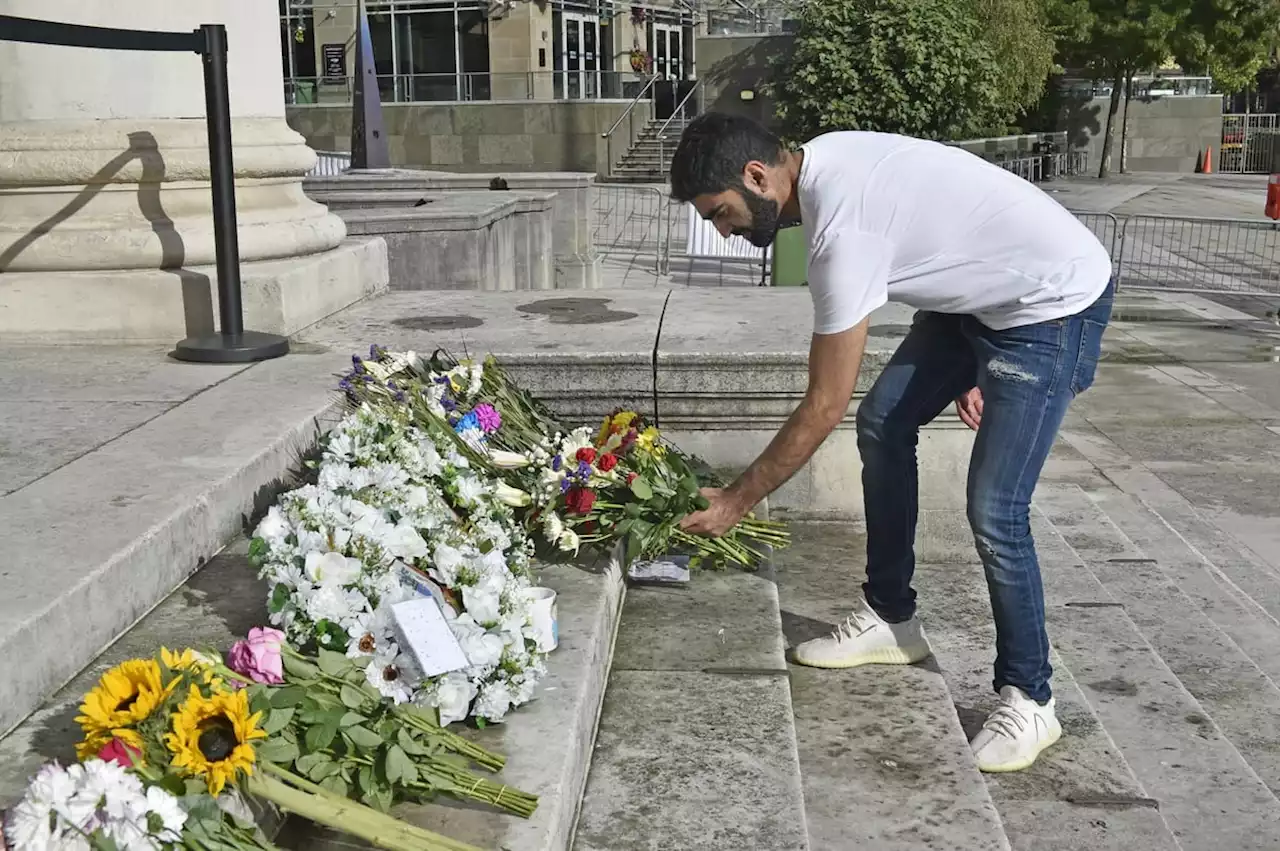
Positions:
{"x": 864, "y": 638}
{"x": 1016, "y": 733}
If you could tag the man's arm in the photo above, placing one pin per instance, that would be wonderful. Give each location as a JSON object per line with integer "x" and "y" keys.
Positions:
{"x": 834, "y": 362}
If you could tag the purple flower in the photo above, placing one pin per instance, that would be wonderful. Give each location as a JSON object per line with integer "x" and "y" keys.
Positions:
{"x": 376, "y": 352}
{"x": 556, "y": 463}
{"x": 448, "y": 404}
{"x": 490, "y": 419}
{"x": 565, "y": 484}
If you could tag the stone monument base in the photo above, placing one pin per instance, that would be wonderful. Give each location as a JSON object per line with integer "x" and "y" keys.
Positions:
{"x": 146, "y": 306}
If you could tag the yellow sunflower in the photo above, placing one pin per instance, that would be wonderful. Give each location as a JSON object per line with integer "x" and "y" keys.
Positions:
{"x": 125, "y": 695}
{"x": 95, "y": 742}
{"x": 190, "y": 660}
{"x": 213, "y": 737}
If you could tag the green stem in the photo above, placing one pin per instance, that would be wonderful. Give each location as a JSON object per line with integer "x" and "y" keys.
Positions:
{"x": 317, "y": 804}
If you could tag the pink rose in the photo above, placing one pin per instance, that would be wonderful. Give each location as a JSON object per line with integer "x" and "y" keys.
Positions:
{"x": 259, "y": 657}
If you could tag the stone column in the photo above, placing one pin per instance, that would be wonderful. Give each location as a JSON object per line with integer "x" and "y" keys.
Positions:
{"x": 106, "y": 229}
{"x": 518, "y": 40}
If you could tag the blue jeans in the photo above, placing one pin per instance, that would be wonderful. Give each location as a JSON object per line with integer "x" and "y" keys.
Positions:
{"x": 1028, "y": 376}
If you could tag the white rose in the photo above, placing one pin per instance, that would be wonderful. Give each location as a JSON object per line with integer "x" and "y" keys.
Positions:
{"x": 482, "y": 649}
{"x": 484, "y": 599}
{"x": 469, "y": 490}
{"x": 274, "y": 528}
{"x": 332, "y": 569}
{"x": 552, "y": 527}
{"x": 452, "y": 697}
{"x": 447, "y": 560}
{"x": 405, "y": 542}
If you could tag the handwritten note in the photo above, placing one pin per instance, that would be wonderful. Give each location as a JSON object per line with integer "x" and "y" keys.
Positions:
{"x": 421, "y": 629}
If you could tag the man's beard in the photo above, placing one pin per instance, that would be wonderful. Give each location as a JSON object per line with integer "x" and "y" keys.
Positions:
{"x": 764, "y": 219}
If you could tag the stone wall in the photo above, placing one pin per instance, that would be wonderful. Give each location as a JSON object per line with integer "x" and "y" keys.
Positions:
{"x": 477, "y": 136}
{"x": 732, "y": 64}
{"x": 1164, "y": 134}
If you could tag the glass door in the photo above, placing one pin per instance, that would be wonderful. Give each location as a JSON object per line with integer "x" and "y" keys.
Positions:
{"x": 580, "y": 57}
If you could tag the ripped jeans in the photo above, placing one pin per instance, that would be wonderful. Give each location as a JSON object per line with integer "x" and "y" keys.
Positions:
{"x": 1028, "y": 376}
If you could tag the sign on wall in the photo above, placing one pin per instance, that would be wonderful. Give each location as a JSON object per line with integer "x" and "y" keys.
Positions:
{"x": 335, "y": 62}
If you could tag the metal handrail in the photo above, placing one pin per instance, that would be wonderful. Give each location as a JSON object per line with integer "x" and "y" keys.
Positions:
{"x": 679, "y": 110}
{"x": 608, "y": 134}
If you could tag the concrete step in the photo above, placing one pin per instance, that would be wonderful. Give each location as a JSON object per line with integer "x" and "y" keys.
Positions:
{"x": 1211, "y": 640}
{"x": 697, "y": 743}
{"x": 1206, "y": 792}
{"x": 884, "y": 761}
{"x": 134, "y": 497}
{"x": 547, "y": 742}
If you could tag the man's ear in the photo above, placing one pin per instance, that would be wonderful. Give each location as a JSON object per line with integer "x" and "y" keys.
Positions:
{"x": 755, "y": 176}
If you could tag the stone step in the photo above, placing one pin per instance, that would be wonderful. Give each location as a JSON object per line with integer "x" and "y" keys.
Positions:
{"x": 547, "y": 742}
{"x": 884, "y": 761}
{"x": 1210, "y": 640}
{"x": 697, "y": 743}
{"x": 1207, "y": 794}
{"x": 100, "y": 538}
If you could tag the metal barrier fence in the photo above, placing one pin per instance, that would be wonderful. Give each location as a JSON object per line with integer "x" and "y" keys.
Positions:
{"x": 1044, "y": 167}
{"x": 630, "y": 220}
{"x": 1239, "y": 256}
{"x": 1247, "y": 143}
{"x": 1203, "y": 255}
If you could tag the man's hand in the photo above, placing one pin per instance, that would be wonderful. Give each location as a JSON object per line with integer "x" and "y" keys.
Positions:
{"x": 969, "y": 405}
{"x": 718, "y": 518}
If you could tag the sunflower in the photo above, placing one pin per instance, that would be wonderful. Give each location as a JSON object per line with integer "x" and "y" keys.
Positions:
{"x": 212, "y": 737}
{"x": 95, "y": 742}
{"x": 190, "y": 661}
{"x": 126, "y": 695}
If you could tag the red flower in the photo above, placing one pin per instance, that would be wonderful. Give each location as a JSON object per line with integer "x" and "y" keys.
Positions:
{"x": 607, "y": 462}
{"x": 118, "y": 752}
{"x": 580, "y": 500}
{"x": 631, "y": 477}
{"x": 587, "y": 454}
{"x": 589, "y": 526}
{"x": 628, "y": 439}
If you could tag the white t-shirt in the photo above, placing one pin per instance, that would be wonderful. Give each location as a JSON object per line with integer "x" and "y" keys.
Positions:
{"x": 937, "y": 228}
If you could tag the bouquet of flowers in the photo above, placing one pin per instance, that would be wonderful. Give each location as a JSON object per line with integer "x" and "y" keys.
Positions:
{"x": 174, "y": 744}
{"x": 620, "y": 482}
{"x": 400, "y": 507}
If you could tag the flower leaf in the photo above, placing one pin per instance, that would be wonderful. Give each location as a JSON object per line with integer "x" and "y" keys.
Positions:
{"x": 310, "y": 762}
{"x": 278, "y": 720}
{"x": 352, "y": 697}
{"x": 408, "y": 744}
{"x": 641, "y": 488}
{"x": 279, "y": 751}
{"x": 350, "y": 719}
{"x": 321, "y": 735}
{"x": 335, "y": 784}
{"x": 300, "y": 669}
{"x": 334, "y": 664}
{"x": 363, "y": 737}
{"x": 400, "y": 768}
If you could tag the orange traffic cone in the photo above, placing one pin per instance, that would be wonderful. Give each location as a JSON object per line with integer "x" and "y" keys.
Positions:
{"x": 1208, "y": 160}
{"x": 1200, "y": 162}
{"x": 1273, "y": 197}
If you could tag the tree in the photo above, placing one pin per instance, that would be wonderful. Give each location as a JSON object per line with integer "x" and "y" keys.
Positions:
{"x": 1023, "y": 44}
{"x": 1121, "y": 38}
{"x": 1229, "y": 40}
{"x": 917, "y": 67}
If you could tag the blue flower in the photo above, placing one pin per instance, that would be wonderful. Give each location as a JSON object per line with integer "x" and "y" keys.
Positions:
{"x": 469, "y": 421}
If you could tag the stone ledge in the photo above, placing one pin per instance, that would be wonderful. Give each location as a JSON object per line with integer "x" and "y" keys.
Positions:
{"x": 135, "y": 306}
{"x": 96, "y": 543}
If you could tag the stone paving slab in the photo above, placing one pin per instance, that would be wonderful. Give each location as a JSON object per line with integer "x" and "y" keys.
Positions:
{"x": 96, "y": 543}
{"x": 1207, "y": 792}
{"x": 1075, "y": 827}
{"x": 694, "y": 761}
{"x": 723, "y": 621}
{"x": 885, "y": 762}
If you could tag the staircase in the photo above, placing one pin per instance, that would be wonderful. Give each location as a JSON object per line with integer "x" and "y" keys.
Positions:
{"x": 649, "y": 159}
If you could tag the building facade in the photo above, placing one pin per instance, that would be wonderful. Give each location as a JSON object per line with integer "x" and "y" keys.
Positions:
{"x": 489, "y": 50}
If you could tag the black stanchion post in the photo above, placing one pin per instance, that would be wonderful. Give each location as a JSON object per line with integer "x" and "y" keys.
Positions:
{"x": 232, "y": 344}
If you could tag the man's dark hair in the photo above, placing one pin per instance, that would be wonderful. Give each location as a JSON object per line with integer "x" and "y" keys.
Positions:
{"x": 714, "y": 150}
